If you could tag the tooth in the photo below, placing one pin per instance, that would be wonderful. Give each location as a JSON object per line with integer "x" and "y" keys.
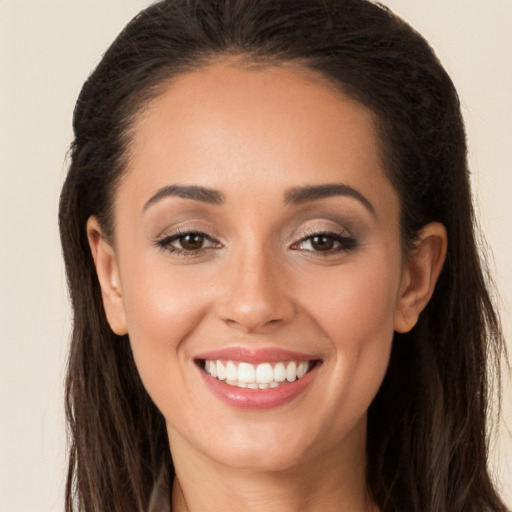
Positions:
{"x": 212, "y": 366}
{"x": 302, "y": 369}
{"x": 231, "y": 382}
{"x": 231, "y": 371}
{"x": 252, "y": 385}
{"x": 264, "y": 385}
{"x": 241, "y": 384}
{"x": 246, "y": 373}
{"x": 291, "y": 372}
{"x": 279, "y": 372}
{"x": 274, "y": 384}
{"x": 221, "y": 371}
{"x": 264, "y": 374}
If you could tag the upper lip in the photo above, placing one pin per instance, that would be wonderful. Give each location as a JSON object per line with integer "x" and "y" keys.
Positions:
{"x": 255, "y": 356}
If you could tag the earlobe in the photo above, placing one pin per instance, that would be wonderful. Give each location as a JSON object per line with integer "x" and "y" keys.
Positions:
{"x": 108, "y": 276}
{"x": 422, "y": 269}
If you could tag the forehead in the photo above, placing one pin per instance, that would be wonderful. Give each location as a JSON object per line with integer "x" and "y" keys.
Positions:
{"x": 228, "y": 125}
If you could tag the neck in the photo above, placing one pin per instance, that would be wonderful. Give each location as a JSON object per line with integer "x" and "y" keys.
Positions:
{"x": 317, "y": 484}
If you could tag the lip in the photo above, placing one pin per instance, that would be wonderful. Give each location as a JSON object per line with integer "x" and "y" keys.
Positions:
{"x": 257, "y": 399}
{"x": 255, "y": 356}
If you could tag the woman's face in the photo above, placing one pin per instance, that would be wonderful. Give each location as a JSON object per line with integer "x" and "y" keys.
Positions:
{"x": 256, "y": 239}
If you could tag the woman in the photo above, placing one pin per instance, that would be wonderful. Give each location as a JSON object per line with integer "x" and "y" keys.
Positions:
{"x": 269, "y": 240}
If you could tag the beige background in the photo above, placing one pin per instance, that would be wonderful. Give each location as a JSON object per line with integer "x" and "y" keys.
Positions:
{"x": 47, "y": 48}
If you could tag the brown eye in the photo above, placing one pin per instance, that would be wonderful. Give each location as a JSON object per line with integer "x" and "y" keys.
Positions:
{"x": 192, "y": 241}
{"x": 322, "y": 243}
{"x": 326, "y": 243}
{"x": 187, "y": 244}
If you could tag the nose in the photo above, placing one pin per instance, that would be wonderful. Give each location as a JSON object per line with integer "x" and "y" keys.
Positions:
{"x": 255, "y": 297}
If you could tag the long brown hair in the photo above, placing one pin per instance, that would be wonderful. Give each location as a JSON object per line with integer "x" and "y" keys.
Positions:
{"x": 427, "y": 441}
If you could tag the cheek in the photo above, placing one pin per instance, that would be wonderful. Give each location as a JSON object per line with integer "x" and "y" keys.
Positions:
{"x": 356, "y": 304}
{"x": 355, "y": 311}
{"x": 161, "y": 299}
{"x": 163, "y": 307}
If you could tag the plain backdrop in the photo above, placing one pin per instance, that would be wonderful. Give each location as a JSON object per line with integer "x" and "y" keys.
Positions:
{"x": 47, "y": 49}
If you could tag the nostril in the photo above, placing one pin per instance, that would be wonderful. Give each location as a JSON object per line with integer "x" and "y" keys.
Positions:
{"x": 254, "y": 299}
{"x": 253, "y": 323}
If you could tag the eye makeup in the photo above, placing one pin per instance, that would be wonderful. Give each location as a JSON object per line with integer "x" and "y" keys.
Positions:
{"x": 325, "y": 242}
{"x": 187, "y": 242}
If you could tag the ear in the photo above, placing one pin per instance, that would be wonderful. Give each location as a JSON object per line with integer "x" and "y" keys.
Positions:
{"x": 421, "y": 271}
{"x": 107, "y": 270}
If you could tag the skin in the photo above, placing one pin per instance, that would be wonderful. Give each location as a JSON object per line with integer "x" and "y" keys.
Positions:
{"x": 252, "y": 135}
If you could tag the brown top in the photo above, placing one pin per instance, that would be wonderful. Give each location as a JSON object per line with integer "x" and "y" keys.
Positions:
{"x": 160, "y": 500}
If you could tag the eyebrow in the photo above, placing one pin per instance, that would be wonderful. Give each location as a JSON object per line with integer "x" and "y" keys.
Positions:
{"x": 196, "y": 193}
{"x": 294, "y": 196}
{"x": 300, "y": 195}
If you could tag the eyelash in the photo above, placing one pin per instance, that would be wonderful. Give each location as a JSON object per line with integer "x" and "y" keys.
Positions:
{"x": 346, "y": 243}
{"x": 166, "y": 241}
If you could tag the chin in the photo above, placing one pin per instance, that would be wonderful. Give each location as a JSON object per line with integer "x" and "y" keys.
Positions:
{"x": 261, "y": 459}
{"x": 263, "y": 447}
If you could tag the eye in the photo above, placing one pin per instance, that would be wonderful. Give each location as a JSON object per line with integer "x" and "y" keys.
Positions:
{"x": 187, "y": 243}
{"x": 325, "y": 243}
{"x": 191, "y": 241}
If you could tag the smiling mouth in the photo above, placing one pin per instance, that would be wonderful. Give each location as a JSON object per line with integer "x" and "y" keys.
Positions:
{"x": 256, "y": 376}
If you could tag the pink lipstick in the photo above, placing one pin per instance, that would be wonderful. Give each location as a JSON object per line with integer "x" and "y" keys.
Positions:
{"x": 257, "y": 379}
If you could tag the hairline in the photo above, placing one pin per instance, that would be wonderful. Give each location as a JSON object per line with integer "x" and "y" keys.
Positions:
{"x": 303, "y": 68}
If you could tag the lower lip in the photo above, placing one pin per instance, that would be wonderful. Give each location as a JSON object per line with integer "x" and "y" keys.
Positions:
{"x": 258, "y": 399}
